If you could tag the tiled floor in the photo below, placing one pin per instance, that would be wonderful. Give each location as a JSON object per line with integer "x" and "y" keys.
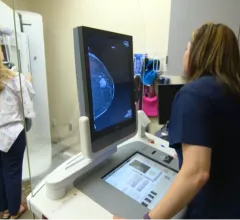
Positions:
{"x": 27, "y": 215}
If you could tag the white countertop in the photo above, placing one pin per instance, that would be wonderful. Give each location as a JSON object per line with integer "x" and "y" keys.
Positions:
{"x": 75, "y": 204}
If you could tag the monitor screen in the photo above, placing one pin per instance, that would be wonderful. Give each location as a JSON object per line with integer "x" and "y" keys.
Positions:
{"x": 110, "y": 80}
{"x": 142, "y": 179}
{"x": 166, "y": 95}
{"x": 105, "y": 80}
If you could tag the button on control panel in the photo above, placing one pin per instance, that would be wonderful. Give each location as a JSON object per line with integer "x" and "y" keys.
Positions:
{"x": 168, "y": 159}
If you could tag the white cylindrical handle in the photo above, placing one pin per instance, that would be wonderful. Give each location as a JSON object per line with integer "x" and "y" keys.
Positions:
{"x": 85, "y": 137}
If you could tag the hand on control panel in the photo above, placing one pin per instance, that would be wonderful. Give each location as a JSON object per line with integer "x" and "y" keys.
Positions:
{"x": 114, "y": 217}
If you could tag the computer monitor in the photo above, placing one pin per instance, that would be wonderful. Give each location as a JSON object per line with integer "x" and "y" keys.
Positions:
{"x": 166, "y": 95}
{"x": 104, "y": 68}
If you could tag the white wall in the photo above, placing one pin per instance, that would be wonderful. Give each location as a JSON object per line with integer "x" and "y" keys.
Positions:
{"x": 148, "y": 24}
{"x": 146, "y": 20}
{"x": 20, "y": 4}
{"x": 188, "y": 15}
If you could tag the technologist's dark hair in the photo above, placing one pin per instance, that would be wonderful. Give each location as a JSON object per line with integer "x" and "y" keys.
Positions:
{"x": 215, "y": 50}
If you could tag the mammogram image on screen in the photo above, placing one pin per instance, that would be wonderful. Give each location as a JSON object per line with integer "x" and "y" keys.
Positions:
{"x": 140, "y": 166}
{"x": 102, "y": 86}
{"x": 110, "y": 73}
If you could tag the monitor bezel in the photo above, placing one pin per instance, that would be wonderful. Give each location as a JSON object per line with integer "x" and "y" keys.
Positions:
{"x": 124, "y": 128}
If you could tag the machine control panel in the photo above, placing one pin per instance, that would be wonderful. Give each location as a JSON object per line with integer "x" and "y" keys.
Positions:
{"x": 137, "y": 176}
{"x": 142, "y": 179}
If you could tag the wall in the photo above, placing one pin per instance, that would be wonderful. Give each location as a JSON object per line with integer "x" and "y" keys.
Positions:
{"x": 187, "y": 15}
{"x": 20, "y": 4}
{"x": 147, "y": 24}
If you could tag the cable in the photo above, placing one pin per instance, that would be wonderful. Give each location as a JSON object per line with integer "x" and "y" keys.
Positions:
{"x": 144, "y": 23}
{"x": 145, "y": 37}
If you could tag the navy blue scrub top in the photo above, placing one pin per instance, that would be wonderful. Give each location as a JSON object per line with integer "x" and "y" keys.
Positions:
{"x": 204, "y": 114}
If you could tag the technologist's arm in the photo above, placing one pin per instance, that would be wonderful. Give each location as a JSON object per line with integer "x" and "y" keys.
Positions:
{"x": 191, "y": 178}
{"x": 191, "y": 122}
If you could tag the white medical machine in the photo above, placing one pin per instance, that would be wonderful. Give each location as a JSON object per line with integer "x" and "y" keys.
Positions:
{"x": 122, "y": 170}
{"x": 26, "y": 51}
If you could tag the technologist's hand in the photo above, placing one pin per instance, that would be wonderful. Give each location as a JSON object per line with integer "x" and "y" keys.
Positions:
{"x": 29, "y": 77}
{"x": 115, "y": 217}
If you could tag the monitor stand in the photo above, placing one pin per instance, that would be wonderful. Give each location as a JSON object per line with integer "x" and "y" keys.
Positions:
{"x": 60, "y": 179}
{"x": 86, "y": 145}
{"x": 97, "y": 189}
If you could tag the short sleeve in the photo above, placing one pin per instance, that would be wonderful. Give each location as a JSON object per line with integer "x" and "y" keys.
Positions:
{"x": 27, "y": 93}
{"x": 27, "y": 101}
{"x": 190, "y": 121}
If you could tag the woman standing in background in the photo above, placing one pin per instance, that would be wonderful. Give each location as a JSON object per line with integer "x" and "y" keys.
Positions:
{"x": 14, "y": 95}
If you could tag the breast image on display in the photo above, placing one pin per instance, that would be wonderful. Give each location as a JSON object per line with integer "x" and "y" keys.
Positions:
{"x": 140, "y": 166}
{"x": 102, "y": 84}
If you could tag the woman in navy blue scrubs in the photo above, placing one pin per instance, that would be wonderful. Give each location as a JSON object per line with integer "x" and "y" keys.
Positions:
{"x": 205, "y": 130}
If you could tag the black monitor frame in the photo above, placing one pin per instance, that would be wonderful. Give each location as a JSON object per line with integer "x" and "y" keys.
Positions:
{"x": 114, "y": 133}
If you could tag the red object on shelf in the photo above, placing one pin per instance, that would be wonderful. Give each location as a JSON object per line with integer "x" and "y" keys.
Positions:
{"x": 151, "y": 141}
{"x": 150, "y": 101}
{"x": 150, "y": 106}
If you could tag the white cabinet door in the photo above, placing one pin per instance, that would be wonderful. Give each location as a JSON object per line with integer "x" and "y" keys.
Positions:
{"x": 187, "y": 15}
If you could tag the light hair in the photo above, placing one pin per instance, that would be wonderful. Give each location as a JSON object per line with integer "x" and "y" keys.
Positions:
{"x": 215, "y": 50}
{"x": 5, "y": 74}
